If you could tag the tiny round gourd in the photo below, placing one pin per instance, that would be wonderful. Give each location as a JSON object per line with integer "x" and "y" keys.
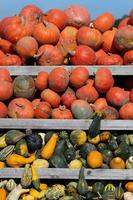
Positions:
{"x": 24, "y": 86}
{"x": 75, "y": 164}
{"x": 94, "y": 159}
{"x": 78, "y": 137}
{"x": 117, "y": 163}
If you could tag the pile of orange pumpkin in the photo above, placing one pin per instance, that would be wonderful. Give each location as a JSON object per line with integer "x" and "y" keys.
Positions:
{"x": 69, "y": 36}
{"x": 64, "y": 95}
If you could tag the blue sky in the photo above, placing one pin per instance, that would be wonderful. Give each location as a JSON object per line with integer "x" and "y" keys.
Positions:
{"x": 116, "y": 7}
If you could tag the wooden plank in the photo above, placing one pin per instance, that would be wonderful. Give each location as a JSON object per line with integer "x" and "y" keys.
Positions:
{"x": 33, "y": 70}
{"x": 54, "y": 173}
{"x": 52, "y": 124}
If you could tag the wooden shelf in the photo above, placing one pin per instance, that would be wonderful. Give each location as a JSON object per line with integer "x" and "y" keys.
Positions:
{"x": 53, "y": 173}
{"x": 33, "y": 70}
{"x": 52, "y": 124}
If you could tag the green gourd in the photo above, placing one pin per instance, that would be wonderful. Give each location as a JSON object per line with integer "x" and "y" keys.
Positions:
{"x": 70, "y": 154}
{"x": 112, "y": 144}
{"x": 58, "y": 161}
{"x": 98, "y": 187}
{"x": 21, "y": 148}
{"x": 123, "y": 138}
{"x": 26, "y": 177}
{"x": 101, "y": 146}
{"x": 4, "y": 153}
{"x": 85, "y": 149}
{"x": 122, "y": 151}
{"x": 119, "y": 192}
{"x": 107, "y": 155}
{"x": 63, "y": 135}
{"x": 130, "y": 137}
{"x": 13, "y": 136}
{"x": 90, "y": 195}
{"x": 94, "y": 128}
{"x": 109, "y": 192}
{"x": 61, "y": 147}
{"x": 82, "y": 186}
{"x": 130, "y": 151}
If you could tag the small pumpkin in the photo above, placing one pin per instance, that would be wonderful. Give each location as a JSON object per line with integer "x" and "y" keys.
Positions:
{"x": 122, "y": 150}
{"x": 102, "y": 146}
{"x": 61, "y": 113}
{"x": 78, "y": 137}
{"x": 68, "y": 97}
{"x": 94, "y": 140}
{"x": 41, "y": 81}
{"x": 43, "y": 110}
{"x": 94, "y": 159}
{"x": 117, "y": 163}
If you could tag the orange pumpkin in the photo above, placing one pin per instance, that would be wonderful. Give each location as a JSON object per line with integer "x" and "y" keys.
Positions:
{"x": 104, "y": 22}
{"x": 68, "y": 97}
{"x": 3, "y": 194}
{"x": 41, "y": 81}
{"x": 117, "y": 163}
{"x": 20, "y": 108}
{"x": 107, "y": 38}
{"x": 3, "y": 110}
{"x": 128, "y": 57}
{"x": 94, "y": 159}
{"x": 5, "y": 75}
{"x": 51, "y": 97}
{"x": 6, "y": 90}
{"x": 43, "y": 110}
{"x": 61, "y": 113}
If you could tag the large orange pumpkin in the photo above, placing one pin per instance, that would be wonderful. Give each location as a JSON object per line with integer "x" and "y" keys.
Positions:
{"x": 5, "y": 75}
{"x": 78, "y": 77}
{"x": 58, "y": 79}
{"x": 46, "y": 33}
{"x": 117, "y": 96}
{"x": 51, "y": 97}
{"x": 20, "y": 108}
{"x": 110, "y": 59}
{"x": 126, "y": 111}
{"x": 90, "y": 37}
{"x": 108, "y": 38}
{"x": 6, "y": 90}
{"x": 103, "y": 80}
{"x": 104, "y": 22}
{"x": 68, "y": 97}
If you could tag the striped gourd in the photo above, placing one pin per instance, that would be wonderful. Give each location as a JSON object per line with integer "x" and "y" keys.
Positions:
{"x": 6, "y": 152}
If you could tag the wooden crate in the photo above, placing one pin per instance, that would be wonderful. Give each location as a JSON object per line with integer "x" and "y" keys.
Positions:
{"x": 90, "y": 174}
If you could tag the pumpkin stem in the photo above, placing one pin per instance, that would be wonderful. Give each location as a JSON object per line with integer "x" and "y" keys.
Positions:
{"x": 38, "y": 55}
{"x": 62, "y": 108}
{"x": 23, "y": 20}
{"x": 45, "y": 23}
{"x": 71, "y": 53}
{"x": 28, "y": 132}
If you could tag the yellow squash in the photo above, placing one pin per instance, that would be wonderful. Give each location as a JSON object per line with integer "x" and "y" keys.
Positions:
{"x": 15, "y": 160}
{"x": 49, "y": 148}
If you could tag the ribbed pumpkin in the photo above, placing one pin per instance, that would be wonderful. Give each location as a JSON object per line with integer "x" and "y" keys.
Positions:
{"x": 104, "y": 22}
{"x": 79, "y": 76}
{"x": 81, "y": 109}
{"x": 61, "y": 113}
{"x": 51, "y": 97}
{"x": 46, "y": 33}
{"x": 24, "y": 86}
{"x": 58, "y": 79}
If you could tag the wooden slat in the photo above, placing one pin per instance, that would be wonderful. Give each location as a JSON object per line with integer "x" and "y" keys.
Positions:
{"x": 52, "y": 124}
{"x": 53, "y": 173}
{"x": 33, "y": 70}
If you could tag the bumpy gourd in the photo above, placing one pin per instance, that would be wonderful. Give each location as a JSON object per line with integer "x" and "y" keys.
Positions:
{"x": 78, "y": 137}
{"x": 11, "y": 185}
{"x": 49, "y": 148}
{"x": 4, "y": 153}
{"x": 26, "y": 177}
{"x": 16, "y": 160}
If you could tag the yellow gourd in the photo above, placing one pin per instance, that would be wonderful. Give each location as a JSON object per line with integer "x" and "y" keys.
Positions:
{"x": 2, "y": 164}
{"x": 104, "y": 136}
{"x": 35, "y": 178}
{"x": 3, "y": 141}
{"x": 28, "y": 197}
{"x": 3, "y": 194}
{"x": 15, "y": 160}
{"x": 49, "y": 148}
{"x": 129, "y": 186}
{"x": 117, "y": 163}
{"x": 94, "y": 140}
{"x": 75, "y": 164}
{"x": 41, "y": 163}
{"x": 34, "y": 193}
{"x": 43, "y": 186}
{"x": 94, "y": 159}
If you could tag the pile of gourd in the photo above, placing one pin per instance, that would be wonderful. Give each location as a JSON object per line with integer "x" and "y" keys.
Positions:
{"x": 64, "y": 149}
{"x": 30, "y": 188}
